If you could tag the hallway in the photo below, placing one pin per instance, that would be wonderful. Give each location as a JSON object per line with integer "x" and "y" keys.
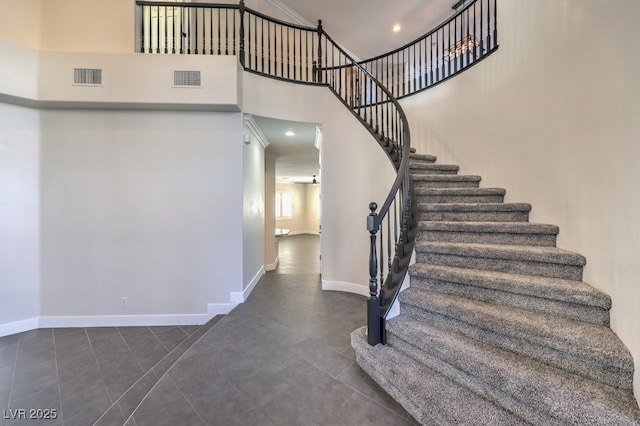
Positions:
{"x": 281, "y": 358}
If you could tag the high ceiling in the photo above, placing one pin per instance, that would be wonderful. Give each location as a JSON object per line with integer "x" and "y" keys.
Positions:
{"x": 365, "y": 27}
{"x": 297, "y": 159}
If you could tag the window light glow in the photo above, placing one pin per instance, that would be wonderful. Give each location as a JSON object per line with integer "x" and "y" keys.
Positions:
{"x": 289, "y": 133}
{"x": 396, "y": 28}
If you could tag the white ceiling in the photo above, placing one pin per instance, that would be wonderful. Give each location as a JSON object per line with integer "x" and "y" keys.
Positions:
{"x": 297, "y": 159}
{"x": 364, "y": 27}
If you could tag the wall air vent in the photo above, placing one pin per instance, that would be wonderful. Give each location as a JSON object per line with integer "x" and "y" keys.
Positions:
{"x": 87, "y": 76}
{"x": 186, "y": 79}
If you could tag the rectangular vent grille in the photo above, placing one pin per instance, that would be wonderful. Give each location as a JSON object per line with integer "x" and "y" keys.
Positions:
{"x": 186, "y": 78}
{"x": 87, "y": 76}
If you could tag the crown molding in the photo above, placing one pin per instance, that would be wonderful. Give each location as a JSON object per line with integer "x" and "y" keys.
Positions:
{"x": 251, "y": 125}
{"x": 297, "y": 18}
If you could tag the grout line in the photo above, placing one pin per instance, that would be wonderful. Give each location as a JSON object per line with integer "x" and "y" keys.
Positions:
{"x": 131, "y": 350}
{"x": 166, "y": 373}
{"x": 13, "y": 375}
{"x": 98, "y": 364}
{"x": 187, "y": 400}
{"x": 55, "y": 358}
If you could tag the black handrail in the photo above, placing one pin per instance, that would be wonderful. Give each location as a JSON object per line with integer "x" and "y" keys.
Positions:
{"x": 461, "y": 41}
{"x": 369, "y": 89}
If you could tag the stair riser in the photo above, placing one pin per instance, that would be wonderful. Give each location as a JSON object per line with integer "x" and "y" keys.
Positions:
{"x": 553, "y": 270}
{"x": 576, "y": 312}
{"x": 445, "y": 184}
{"x": 460, "y": 198}
{"x": 454, "y": 216}
{"x": 572, "y": 363}
{"x": 452, "y": 370}
{"x": 543, "y": 240}
{"x": 416, "y": 159}
{"x": 433, "y": 171}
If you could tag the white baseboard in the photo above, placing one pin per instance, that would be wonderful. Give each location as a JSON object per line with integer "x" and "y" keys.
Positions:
{"x": 122, "y": 320}
{"x": 360, "y": 289}
{"x": 238, "y": 297}
{"x": 304, "y": 233}
{"x": 273, "y": 266}
{"x": 19, "y": 326}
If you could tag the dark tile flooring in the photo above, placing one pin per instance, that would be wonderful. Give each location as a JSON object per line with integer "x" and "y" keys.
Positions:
{"x": 281, "y": 358}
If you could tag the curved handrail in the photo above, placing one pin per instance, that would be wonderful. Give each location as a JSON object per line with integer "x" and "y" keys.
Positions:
{"x": 369, "y": 89}
{"x": 461, "y": 41}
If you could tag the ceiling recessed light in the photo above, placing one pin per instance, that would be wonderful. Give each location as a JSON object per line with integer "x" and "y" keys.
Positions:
{"x": 289, "y": 133}
{"x": 396, "y": 28}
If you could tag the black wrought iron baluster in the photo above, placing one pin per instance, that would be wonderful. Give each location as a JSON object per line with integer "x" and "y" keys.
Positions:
{"x": 211, "y": 30}
{"x": 288, "y": 55}
{"x": 173, "y": 30}
{"x": 204, "y": 32}
{"x": 389, "y": 257}
{"x": 374, "y": 332}
{"x": 495, "y": 23}
{"x": 226, "y": 31}
{"x": 219, "y": 33}
{"x": 281, "y": 55}
{"x": 475, "y": 36}
{"x": 166, "y": 46}
{"x": 242, "y": 59}
{"x": 188, "y": 31}
{"x": 181, "y": 30}
{"x": 255, "y": 39}
{"x": 269, "y": 59}
{"x": 233, "y": 40}
{"x": 381, "y": 256}
{"x": 262, "y": 41}
{"x": 319, "y": 66}
{"x": 482, "y": 40}
{"x": 195, "y": 31}
{"x": 142, "y": 30}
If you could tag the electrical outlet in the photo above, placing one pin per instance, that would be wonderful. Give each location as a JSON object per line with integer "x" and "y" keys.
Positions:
{"x": 123, "y": 302}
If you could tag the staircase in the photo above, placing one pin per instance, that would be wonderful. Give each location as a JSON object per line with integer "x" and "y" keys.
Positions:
{"x": 497, "y": 326}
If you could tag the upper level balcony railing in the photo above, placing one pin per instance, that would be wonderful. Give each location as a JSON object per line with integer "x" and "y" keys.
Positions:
{"x": 369, "y": 89}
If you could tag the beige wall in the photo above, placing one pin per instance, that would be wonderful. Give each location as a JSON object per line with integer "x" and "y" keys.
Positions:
{"x": 552, "y": 116}
{"x": 20, "y": 22}
{"x": 305, "y": 218}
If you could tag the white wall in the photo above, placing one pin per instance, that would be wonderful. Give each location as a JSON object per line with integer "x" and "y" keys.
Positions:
{"x": 132, "y": 206}
{"x": 253, "y": 211}
{"x": 270, "y": 241}
{"x": 347, "y": 179}
{"x": 19, "y": 219}
{"x": 553, "y": 117}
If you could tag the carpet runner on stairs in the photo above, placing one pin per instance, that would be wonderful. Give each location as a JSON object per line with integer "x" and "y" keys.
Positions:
{"x": 497, "y": 326}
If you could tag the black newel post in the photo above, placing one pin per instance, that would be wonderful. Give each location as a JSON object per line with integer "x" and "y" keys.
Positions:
{"x": 319, "y": 66}
{"x": 242, "y": 7}
{"x": 373, "y": 304}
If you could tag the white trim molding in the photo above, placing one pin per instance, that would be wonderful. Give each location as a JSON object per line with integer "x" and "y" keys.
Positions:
{"x": 360, "y": 289}
{"x": 19, "y": 326}
{"x": 272, "y": 266}
{"x": 122, "y": 320}
{"x": 238, "y": 297}
{"x": 252, "y": 127}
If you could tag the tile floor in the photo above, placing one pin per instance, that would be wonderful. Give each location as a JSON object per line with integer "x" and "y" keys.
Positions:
{"x": 281, "y": 358}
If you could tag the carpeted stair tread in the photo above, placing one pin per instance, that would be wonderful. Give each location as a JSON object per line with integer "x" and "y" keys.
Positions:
{"x": 476, "y": 207}
{"x": 489, "y": 227}
{"x": 430, "y": 168}
{"x": 460, "y": 191}
{"x": 423, "y": 180}
{"x": 459, "y": 195}
{"x": 590, "y": 350}
{"x": 474, "y": 212}
{"x": 518, "y": 383}
{"x": 481, "y": 232}
{"x": 520, "y": 259}
{"x": 428, "y": 396}
{"x": 568, "y": 291}
{"x": 570, "y": 299}
{"x": 422, "y": 158}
